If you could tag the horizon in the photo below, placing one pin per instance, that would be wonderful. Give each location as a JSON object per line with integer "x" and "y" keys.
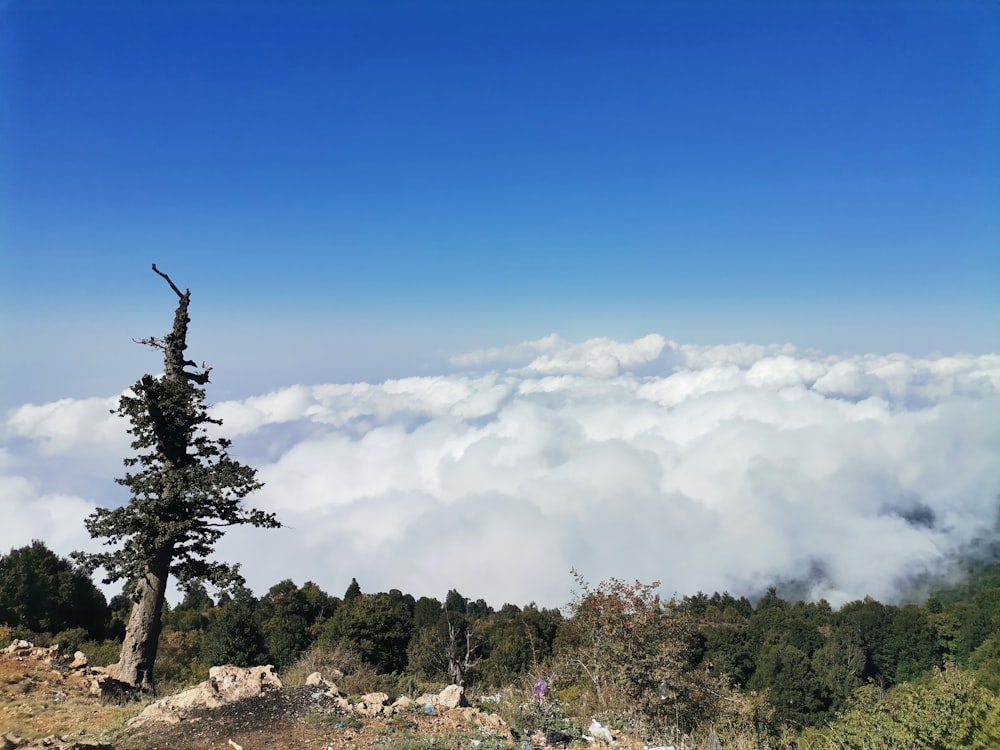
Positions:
{"x": 534, "y": 273}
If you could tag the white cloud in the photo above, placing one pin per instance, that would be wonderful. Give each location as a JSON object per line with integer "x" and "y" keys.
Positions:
{"x": 710, "y": 468}
{"x": 29, "y": 513}
{"x": 69, "y": 425}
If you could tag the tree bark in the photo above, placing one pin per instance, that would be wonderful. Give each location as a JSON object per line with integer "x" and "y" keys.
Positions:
{"x": 142, "y": 636}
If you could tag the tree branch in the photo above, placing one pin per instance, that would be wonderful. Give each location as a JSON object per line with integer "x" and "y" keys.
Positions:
{"x": 172, "y": 285}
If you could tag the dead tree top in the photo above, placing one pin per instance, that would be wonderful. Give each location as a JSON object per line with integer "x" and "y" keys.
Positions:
{"x": 175, "y": 343}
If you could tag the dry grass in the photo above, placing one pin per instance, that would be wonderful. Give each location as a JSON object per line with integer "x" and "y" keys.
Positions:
{"x": 38, "y": 700}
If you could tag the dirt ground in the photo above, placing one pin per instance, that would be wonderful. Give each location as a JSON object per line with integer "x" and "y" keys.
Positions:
{"x": 293, "y": 718}
{"x": 39, "y": 699}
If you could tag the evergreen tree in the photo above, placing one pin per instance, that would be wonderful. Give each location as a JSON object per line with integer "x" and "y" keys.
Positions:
{"x": 44, "y": 593}
{"x": 786, "y": 673}
{"x": 353, "y": 591}
{"x": 287, "y": 616}
{"x": 234, "y": 636}
{"x": 185, "y": 491}
{"x": 374, "y": 627}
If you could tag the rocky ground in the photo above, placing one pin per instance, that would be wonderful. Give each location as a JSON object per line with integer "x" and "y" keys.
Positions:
{"x": 294, "y": 718}
{"x": 44, "y": 702}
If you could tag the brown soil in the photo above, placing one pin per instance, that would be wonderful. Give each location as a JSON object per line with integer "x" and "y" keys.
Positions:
{"x": 40, "y": 698}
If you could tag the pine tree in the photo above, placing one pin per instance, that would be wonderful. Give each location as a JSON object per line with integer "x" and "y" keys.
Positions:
{"x": 44, "y": 593}
{"x": 185, "y": 491}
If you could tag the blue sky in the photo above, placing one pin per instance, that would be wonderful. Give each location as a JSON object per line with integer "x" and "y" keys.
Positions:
{"x": 765, "y": 234}
{"x": 367, "y": 188}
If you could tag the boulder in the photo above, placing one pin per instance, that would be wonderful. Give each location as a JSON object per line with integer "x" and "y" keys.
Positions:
{"x": 224, "y": 685}
{"x": 24, "y": 649}
{"x": 318, "y": 680}
{"x": 452, "y": 696}
{"x": 371, "y": 704}
{"x": 402, "y": 703}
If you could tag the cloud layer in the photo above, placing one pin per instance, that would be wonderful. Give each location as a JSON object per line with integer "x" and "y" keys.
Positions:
{"x": 704, "y": 467}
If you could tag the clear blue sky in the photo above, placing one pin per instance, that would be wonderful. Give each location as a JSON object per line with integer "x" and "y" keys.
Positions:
{"x": 379, "y": 180}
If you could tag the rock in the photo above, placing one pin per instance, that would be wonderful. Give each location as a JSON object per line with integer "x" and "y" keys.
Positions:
{"x": 318, "y": 680}
{"x": 26, "y": 649}
{"x": 402, "y": 702}
{"x": 371, "y": 704}
{"x": 56, "y": 743}
{"x": 235, "y": 683}
{"x": 79, "y": 660}
{"x": 108, "y": 689}
{"x": 452, "y": 696}
{"x": 379, "y": 698}
{"x": 9, "y": 741}
{"x": 224, "y": 685}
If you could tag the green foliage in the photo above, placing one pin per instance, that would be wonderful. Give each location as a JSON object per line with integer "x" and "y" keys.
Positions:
{"x": 786, "y": 673}
{"x": 186, "y": 490}
{"x": 519, "y": 641}
{"x": 70, "y": 641}
{"x": 178, "y": 660}
{"x": 353, "y": 591}
{"x": 839, "y": 665}
{"x": 287, "y": 616}
{"x": 192, "y": 613}
{"x": 985, "y": 663}
{"x": 101, "y": 653}
{"x": 427, "y": 611}
{"x": 375, "y": 627}
{"x": 913, "y": 647}
{"x": 234, "y": 636}
{"x": 730, "y": 649}
{"x": 961, "y": 629}
{"x": 948, "y": 712}
{"x": 452, "y": 642}
{"x": 42, "y": 592}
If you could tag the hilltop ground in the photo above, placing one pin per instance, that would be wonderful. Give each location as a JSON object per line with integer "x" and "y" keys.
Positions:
{"x": 42, "y": 697}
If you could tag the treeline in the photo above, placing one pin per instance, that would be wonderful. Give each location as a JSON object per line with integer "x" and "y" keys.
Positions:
{"x": 771, "y": 668}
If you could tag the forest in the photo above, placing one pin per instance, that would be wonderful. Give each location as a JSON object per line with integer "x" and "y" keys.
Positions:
{"x": 771, "y": 672}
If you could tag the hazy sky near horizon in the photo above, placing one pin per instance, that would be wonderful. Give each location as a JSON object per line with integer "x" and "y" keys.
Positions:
{"x": 360, "y": 194}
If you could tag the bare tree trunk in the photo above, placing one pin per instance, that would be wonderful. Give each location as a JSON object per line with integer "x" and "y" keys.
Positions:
{"x": 459, "y": 663}
{"x": 142, "y": 636}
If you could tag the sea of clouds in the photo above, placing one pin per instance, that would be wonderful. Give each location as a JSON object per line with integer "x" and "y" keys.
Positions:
{"x": 703, "y": 467}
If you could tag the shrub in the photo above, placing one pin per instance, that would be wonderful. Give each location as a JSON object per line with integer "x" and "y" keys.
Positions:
{"x": 948, "y": 712}
{"x": 101, "y": 653}
{"x": 326, "y": 661}
{"x": 636, "y": 655}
